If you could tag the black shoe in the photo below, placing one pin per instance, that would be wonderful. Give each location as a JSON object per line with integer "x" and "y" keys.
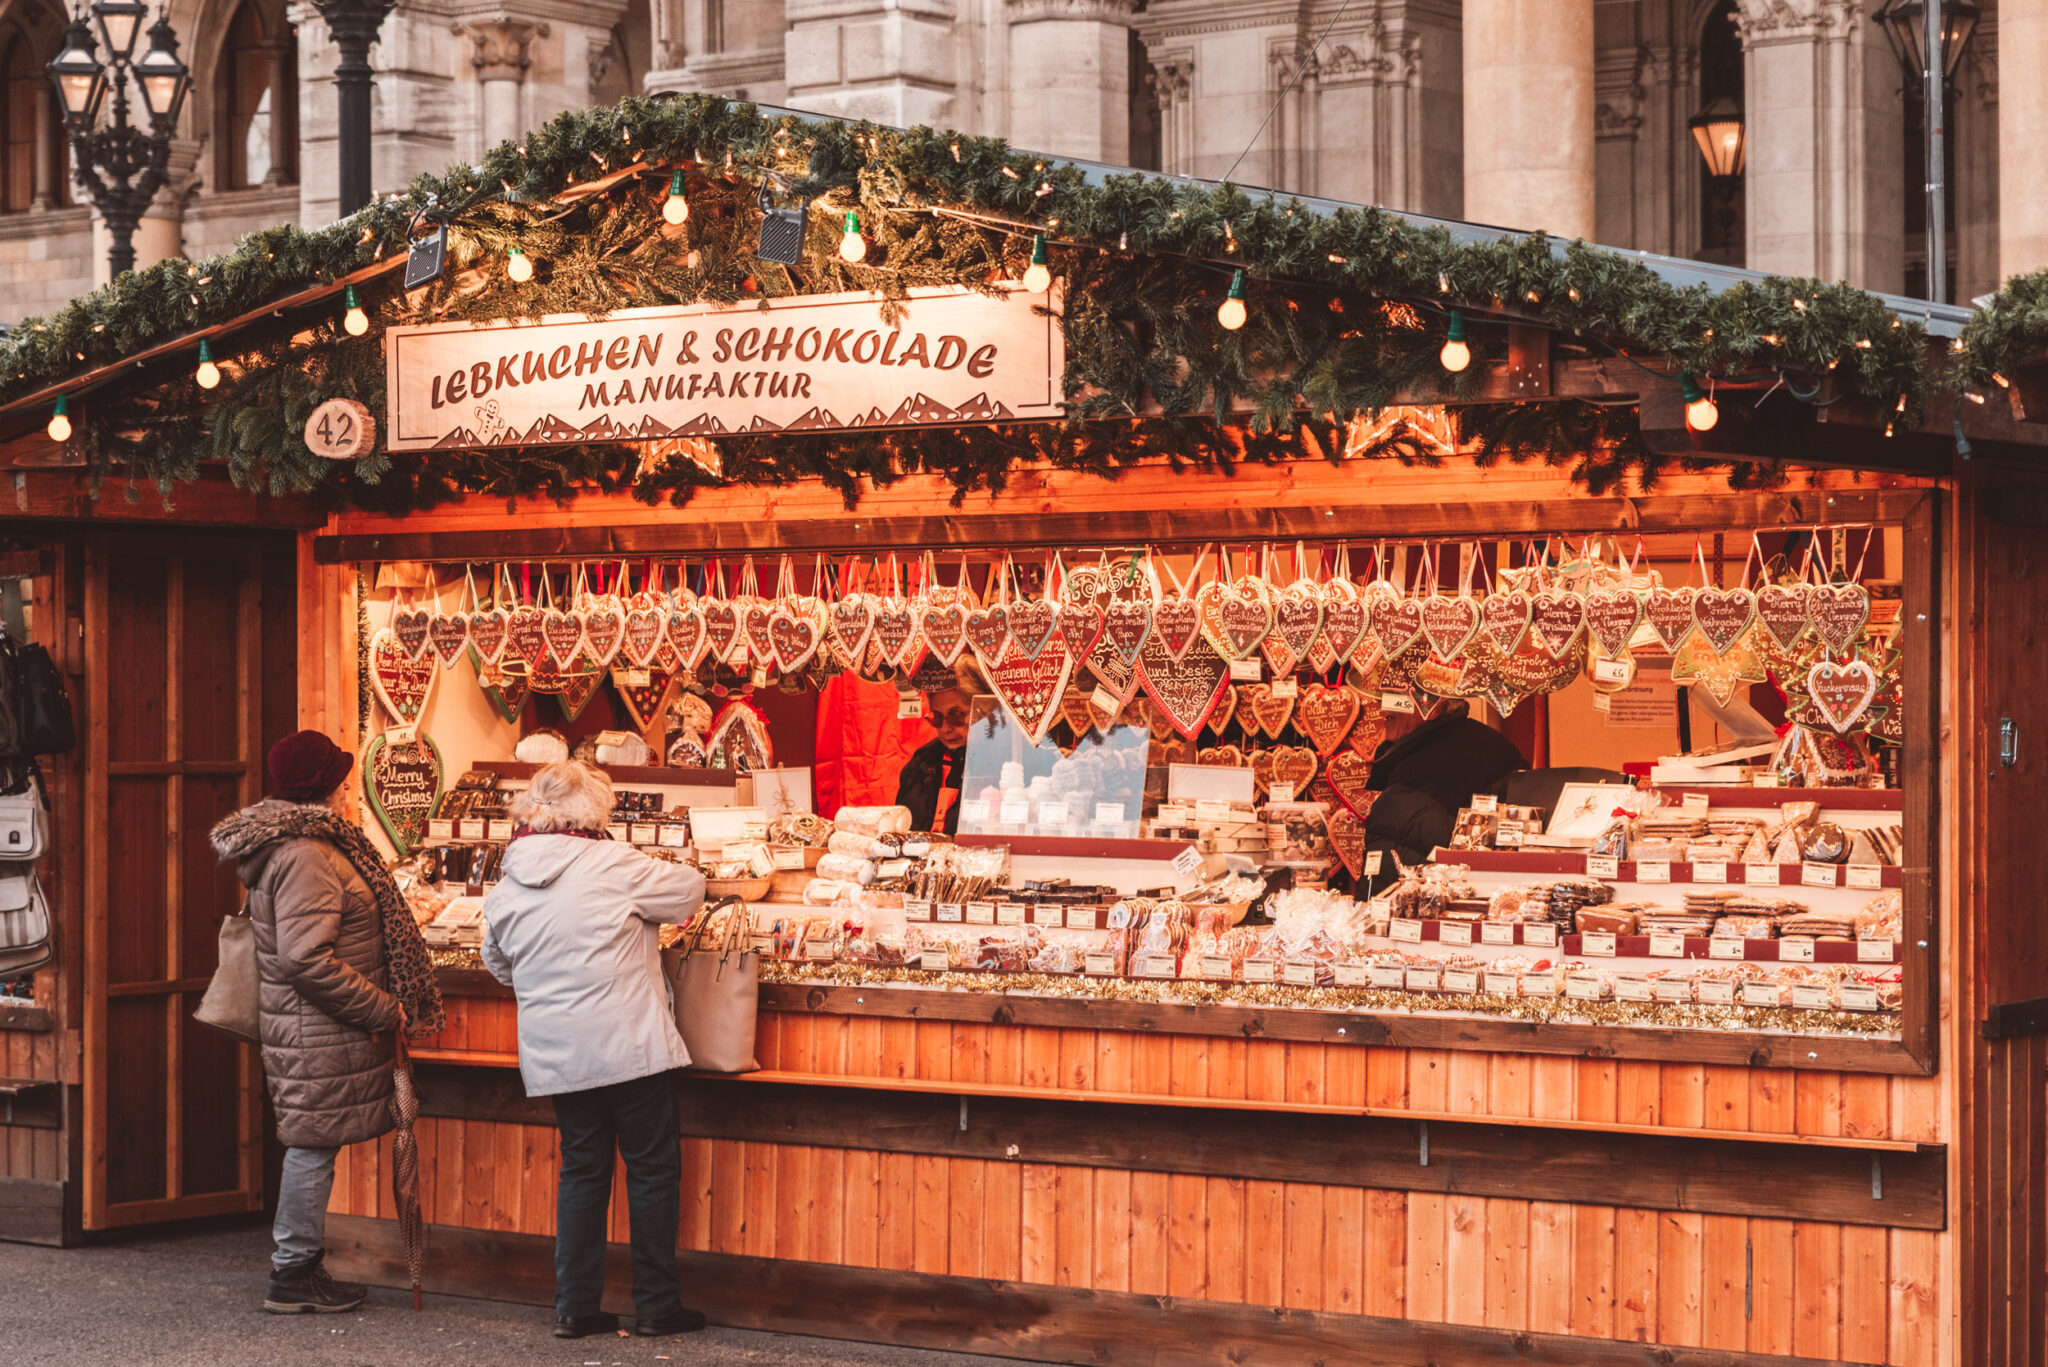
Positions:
{"x": 682, "y": 1320}
{"x": 308, "y": 1290}
{"x": 583, "y": 1326}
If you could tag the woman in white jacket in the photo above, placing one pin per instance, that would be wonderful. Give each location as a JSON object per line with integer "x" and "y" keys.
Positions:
{"x": 573, "y": 930}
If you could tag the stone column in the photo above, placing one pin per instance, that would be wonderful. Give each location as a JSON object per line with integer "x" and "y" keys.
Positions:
{"x": 284, "y": 135}
{"x": 1172, "y": 80}
{"x": 892, "y": 61}
{"x": 500, "y": 58}
{"x": 2022, "y": 137}
{"x": 1070, "y": 77}
{"x": 46, "y": 170}
{"x": 1529, "y": 136}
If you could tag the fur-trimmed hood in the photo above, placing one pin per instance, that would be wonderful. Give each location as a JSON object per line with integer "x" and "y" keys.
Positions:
{"x": 249, "y": 836}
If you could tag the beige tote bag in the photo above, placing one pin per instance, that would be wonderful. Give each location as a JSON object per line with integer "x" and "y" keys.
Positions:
{"x": 714, "y": 982}
{"x": 230, "y": 1003}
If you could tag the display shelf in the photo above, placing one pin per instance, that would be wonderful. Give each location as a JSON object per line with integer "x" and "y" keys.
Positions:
{"x": 1078, "y": 846}
{"x": 1790, "y": 876}
{"x": 678, "y": 777}
{"x": 1572, "y": 945}
{"x": 1837, "y": 799}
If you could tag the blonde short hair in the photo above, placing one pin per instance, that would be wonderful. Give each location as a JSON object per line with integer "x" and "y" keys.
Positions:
{"x": 567, "y": 796}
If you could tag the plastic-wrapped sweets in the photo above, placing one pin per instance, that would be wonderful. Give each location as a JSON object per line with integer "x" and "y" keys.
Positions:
{"x": 873, "y": 820}
{"x": 827, "y": 892}
{"x": 847, "y": 868}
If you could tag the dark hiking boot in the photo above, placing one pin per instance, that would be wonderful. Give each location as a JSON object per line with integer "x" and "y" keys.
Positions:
{"x": 583, "y": 1326}
{"x": 308, "y": 1290}
{"x": 681, "y": 1320}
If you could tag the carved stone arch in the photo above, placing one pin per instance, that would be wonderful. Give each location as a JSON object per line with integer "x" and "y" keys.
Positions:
{"x": 205, "y": 37}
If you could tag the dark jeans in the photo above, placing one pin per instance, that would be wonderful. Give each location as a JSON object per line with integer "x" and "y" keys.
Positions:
{"x": 638, "y": 1119}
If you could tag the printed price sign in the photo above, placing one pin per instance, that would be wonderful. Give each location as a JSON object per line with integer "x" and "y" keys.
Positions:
{"x": 1762, "y": 994}
{"x": 440, "y": 828}
{"x": 948, "y": 911}
{"x": 1602, "y": 866}
{"x": 1597, "y": 944}
{"x": 1496, "y": 933}
{"x": 1632, "y": 989}
{"x": 1424, "y": 979}
{"x": 1396, "y": 702}
{"x": 1667, "y": 946}
{"x": 1286, "y": 688}
{"x": 1709, "y": 871}
{"x": 909, "y": 707}
{"x": 1386, "y": 975}
{"x": 1244, "y": 671}
{"x": 1187, "y": 861}
{"x": 974, "y": 811}
{"x": 1874, "y": 951}
{"x": 1796, "y": 950}
{"x": 981, "y": 913}
{"x": 1693, "y": 804}
{"x": 1859, "y": 997}
{"x": 1671, "y": 990}
{"x": 1350, "y": 975}
{"x": 1298, "y": 973}
{"x": 1107, "y": 812}
{"x": 932, "y": 960}
{"x": 1760, "y": 875}
{"x": 1502, "y": 984}
{"x": 1820, "y": 875}
{"x": 784, "y": 858}
{"x": 1048, "y": 914}
{"x": 1543, "y": 936}
{"x": 1083, "y": 918}
{"x": 1105, "y": 702}
{"x": 1216, "y": 967}
{"x": 1405, "y": 930}
{"x": 820, "y": 949}
{"x": 1866, "y": 876}
{"x": 1011, "y": 913}
{"x": 1582, "y": 987}
{"x": 1280, "y": 792}
{"x": 1153, "y": 966}
{"x": 1372, "y": 863}
{"x": 1653, "y": 870}
{"x": 1261, "y": 970}
{"x": 915, "y": 910}
{"x": 1811, "y": 996}
{"x": 1715, "y": 992}
{"x": 1485, "y": 802}
{"x": 1454, "y": 932}
{"x": 1016, "y": 811}
{"x": 1099, "y": 965}
{"x": 1461, "y": 980}
{"x": 1725, "y": 947}
{"x": 1054, "y": 814}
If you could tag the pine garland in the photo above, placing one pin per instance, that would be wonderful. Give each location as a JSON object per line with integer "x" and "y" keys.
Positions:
{"x": 1346, "y": 314}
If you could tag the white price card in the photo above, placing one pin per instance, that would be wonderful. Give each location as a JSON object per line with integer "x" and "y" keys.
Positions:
{"x": 1485, "y": 802}
{"x": 820, "y": 949}
{"x": 915, "y": 909}
{"x": 1261, "y": 970}
{"x": 974, "y": 811}
{"x": 1424, "y": 979}
{"x": 1104, "y": 701}
{"x": 1387, "y": 975}
{"x": 1541, "y": 934}
{"x": 1350, "y": 975}
{"x": 498, "y": 828}
{"x": 674, "y": 836}
{"x": 1461, "y": 980}
{"x": 1401, "y": 928}
{"x": 1108, "y": 812}
{"x": 1502, "y": 984}
{"x": 1709, "y": 871}
{"x": 1216, "y": 967}
{"x": 1048, "y": 914}
{"x": 1372, "y": 863}
{"x": 1397, "y": 702}
{"x": 618, "y": 831}
{"x": 1795, "y": 950}
{"x": 1597, "y": 944}
{"x": 784, "y": 858}
{"x": 472, "y": 828}
{"x": 1099, "y": 965}
{"x": 763, "y": 944}
{"x": 1454, "y": 932}
{"x": 1083, "y": 917}
{"x": 932, "y": 960}
{"x": 1653, "y": 870}
{"x": 1016, "y": 811}
{"x": 1762, "y": 994}
{"x": 1280, "y": 792}
{"x": 1245, "y": 671}
{"x": 1812, "y": 996}
{"x": 1286, "y": 688}
{"x": 1726, "y": 947}
{"x": 1667, "y": 946}
{"x": 1760, "y": 875}
{"x": 753, "y": 830}
{"x": 440, "y": 828}
{"x": 981, "y": 913}
{"x": 1820, "y": 875}
{"x": 1613, "y": 671}
{"x": 1298, "y": 973}
{"x": 1582, "y": 987}
{"x": 909, "y": 706}
{"x": 1496, "y": 933}
{"x": 888, "y": 870}
{"x": 948, "y": 911}
{"x": 1187, "y": 861}
{"x": 1602, "y": 866}
{"x": 633, "y": 678}
{"x": 1012, "y": 913}
{"x": 1764, "y": 781}
{"x": 1875, "y": 951}
{"x": 1715, "y": 992}
{"x": 1211, "y": 811}
{"x": 1632, "y": 989}
{"x": 1153, "y": 966}
{"x": 1693, "y": 804}
{"x": 1858, "y": 997}
{"x": 1866, "y": 876}
{"x": 1671, "y": 990}
{"x": 1054, "y": 813}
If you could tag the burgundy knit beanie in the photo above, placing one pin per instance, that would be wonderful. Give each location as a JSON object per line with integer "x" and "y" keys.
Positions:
{"x": 306, "y": 766}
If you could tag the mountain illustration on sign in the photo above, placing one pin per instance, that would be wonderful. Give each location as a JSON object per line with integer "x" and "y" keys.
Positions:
{"x": 549, "y": 430}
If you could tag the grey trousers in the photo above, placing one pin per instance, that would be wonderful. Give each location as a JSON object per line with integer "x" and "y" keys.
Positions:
{"x": 301, "y": 1228}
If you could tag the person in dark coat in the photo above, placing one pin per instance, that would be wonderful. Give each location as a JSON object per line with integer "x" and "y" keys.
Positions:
{"x": 934, "y": 769}
{"x": 1424, "y": 777}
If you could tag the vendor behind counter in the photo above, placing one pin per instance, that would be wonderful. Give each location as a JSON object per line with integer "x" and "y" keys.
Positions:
{"x": 930, "y": 782}
{"x": 1424, "y": 772}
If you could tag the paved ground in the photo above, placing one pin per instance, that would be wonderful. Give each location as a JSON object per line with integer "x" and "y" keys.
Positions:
{"x": 194, "y": 1300}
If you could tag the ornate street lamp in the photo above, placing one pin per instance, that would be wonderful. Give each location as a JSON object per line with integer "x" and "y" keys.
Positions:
{"x": 1718, "y": 131}
{"x": 353, "y": 25}
{"x": 118, "y": 164}
{"x": 1928, "y": 38}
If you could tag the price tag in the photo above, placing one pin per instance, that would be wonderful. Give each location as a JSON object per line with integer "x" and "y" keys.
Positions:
{"x": 618, "y": 830}
{"x": 1401, "y": 928}
{"x": 1602, "y": 866}
{"x": 981, "y": 913}
{"x": 1212, "y": 811}
{"x": 1105, "y": 702}
{"x": 1108, "y": 812}
{"x": 916, "y": 910}
{"x": 1859, "y": 997}
{"x": 498, "y": 828}
{"x": 1153, "y": 966}
{"x": 909, "y": 706}
{"x": 974, "y": 812}
{"x": 1796, "y": 950}
{"x": 1762, "y": 994}
{"x": 633, "y": 678}
{"x": 1613, "y": 671}
{"x": 1286, "y": 688}
{"x": 1693, "y": 804}
{"x": 1542, "y": 934}
{"x": 1760, "y": 875}
{"x": 1508, "y": 835}
{"x": 891, "y": 869}
{"x": 948, "y": 911}
{"x": 1715, "y": 992}
{"x": 1597, "y": 944}
{"x": 674, "y": 836}
{"x": 1047, "y": 914}
{"x": 1866, "y": 876}
{"x": 1582, "y": 987}
{"x": 1812, "y": 997}
{"x": 1667, "y": 946}
{"x": 1280, "y": 792}
{"x": 765, "y": 944}
{"x": 1653, "y": 870}
{"x": 1099, "y": 965}
{"x": 1632, "y": 989}
{"x": 1454, "y": 932}
{"x": 1726, "y": 947}
{"x": 784, "y": 859}
{"x": 1709, "y": 871}
{"x": 1387, "y": 975}
{"x": 1765, "y": 781}
{"x": 1875, "y": 951}
{"x": 1261, "y": 970}
{"x": 1298, "y": 973}
{"x": 1083, "y": 917}
{"x": 1602, "y": 703}
{"x": 1542, "y": 984}
{"x": 1011, "y": 913}
{"x": 1372, "y": 863}
{"x": 1496, "y": 933}
{"x": 1502, "y": 984}
{"x": 1054, "y": 813}
{"x": 440, "y": 828}
{"x": 1216, "y": 967}
{"x": 1350, "y": 975}
{"x": 1187, "y": 861}
{"x": 1461, "y": 980}
{"x": 1244, "y": 671}
{"x": 1424, "y": 979}
{"x": 753, "y": 830}
{"x": 1016, "y": 811}
{"x": 1485, "y": 802}
{"x": 1671, "y": 990}
{"x": 1820, "y": 875}
{"x": 472, "y": 828}
{"x": 820, "y": 949}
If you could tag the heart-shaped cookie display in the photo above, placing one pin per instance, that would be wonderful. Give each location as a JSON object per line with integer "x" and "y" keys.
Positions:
{"x": 401, "y": 785}
{"x": 721, "y": 627}
{"x": 1031, "y": 623}
{"x": 1325, "y": 714}
{"x": 1612, "y": 616}
{"x": 1125, "y": 625}
{"x": 1261, "y": 763}
{"x": 1838, "y": 613}
{"x": 1504, "y": 617}
{"x": 1669, "y": 613}
{"x": 1080, "y": 624}
{"x": 1176, "y": 625}
{"x": 401, "y": 682}
{"x": 1226, "y": 708}
{"x": 1075, "y": 713}
{"x": 1263, "y": 710}
{"x": 604, "y": 631}
{"x": 643, "y": 702}
{"x": 1782, "y": 608}
{"x": 895, "y": 625}
{"x": 1030, "y": 687}
{"x": 1295, "y": 764}
{"x": 1221, "y": 756}
{"x": 490, "y": 631}
{"x": 1449, "y": 623}
{"x": 943, "y": 628}
{"x": 646, "y": 626}
{"x": 1697, "y": 664}
{"x": 411, "y": 625}
{"x": 1396, "y": 622}
{"x": 1347, "y": 840}
{"x": 1347, "y": 772}
{"x": 793, "y": 636}
{"x": 988, "y": 630}
{"x": 1104, "y": 714}
{"x": 1112, "y": 675}
{"x": 526, "y": 638}
{"x": 853, "y": 622}
{"x": 564, "y": 632}
{"x": 1087, "y": 584}
{"x": 1346, "y": 619}
{"x": 1842, "y": 692}
{"x": 506, "y": 692}
{"x": 1557, "y": 618}
{"x": 1370, "y": 730}
{"x": 757, "y": 618}
{"x": 1184, "y": 691}
{"x": 1722, "y": 615}
{"x": 1297, "y": 623}
{"x": 688, "y": 633}
{"x": 448, "y": 637}
{"x": 1243, "y": 616}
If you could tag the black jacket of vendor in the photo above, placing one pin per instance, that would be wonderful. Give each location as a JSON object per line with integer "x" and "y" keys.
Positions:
{"x": 929, "y": 770}
{"x": 1427, "y": 775}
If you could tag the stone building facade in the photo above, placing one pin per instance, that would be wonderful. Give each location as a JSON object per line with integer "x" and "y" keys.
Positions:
{"x": 1566, "y": 115}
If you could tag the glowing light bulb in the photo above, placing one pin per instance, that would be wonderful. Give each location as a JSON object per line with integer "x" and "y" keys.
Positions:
{"x": 208, "y": 374}
{"x": 1230, "y": 313}
{"x": 675, "y": 208}
{"x": 60, "y": 422}
{"x": 518, "y": 265}
{"x": 1456, "y": 355}
{"x": 355, "y": 320}
{"x": 853, "y": 248}
{"x": 1701, "y": 412}
{"x": 1038, "y": 275}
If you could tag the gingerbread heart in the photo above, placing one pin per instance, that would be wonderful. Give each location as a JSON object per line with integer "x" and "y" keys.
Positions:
{"x": 410, "y": 626}
{"x": 793, "y": 636}
{"x": 1670, "y": 614}
{"x": 1347, "y": 772}
{"x": 1557, "y": 619}
{"x": 1103, "y": 713}
{"x": 895, "y": 625}
{"x": 448, "y": 637}
{"x": 1842, "y": 692}
{"x": 758, "y": 619}
{"x": 988, "y": 630}
{"x": 688, "y": 633}
{"x": 1244, "y": 615}
{"x": 604, "y": 631}
{"x": 1185, "y": 691}
{"x": 943, "y": 628}
{"x": 721, "y": 627}
{"x": 1782, "y": 608}
{"x": 1722, "y": 615}
{"x": 1504, "y": 617}
{"x": 1347, "y": 840}
{"x": 1345, "y": 621}
{"x": 1226, "y": 708}
{"x": 1396, "y": 623}
{"x": 1370, "y": 729}
{"x": 1125, "y": 625}
{"x": 1223, "y": 756}
{"x": 400, "y": 680}
{"x": 1074, "y": 711}
{"x": 853, "y": 622}
{"x": 1031, "y": 622}
{"x": 1029, "y": 686}
{"x": 1176, "y": 624}
{"x": 1297, "y": 623}
{"x": 643, "y": 701}
{"x": 1838, "y": 612}
{"x": 526, "y": 636}
{"x": 1612, "y": 616}
{"x": 1449, "y": 623}
{"x": 1295, "y": 764}
{"x": 1325, "y": 715}
{"x": 1080, "y": 624}
{"x": 489, "y": 632}
{"x": 645, "y": 627}
{"x": 1113, "y": 675}
{"x": 1264, "y": 709}
{"x": 1262, "y": 769}
{"x": 564, "y": 632}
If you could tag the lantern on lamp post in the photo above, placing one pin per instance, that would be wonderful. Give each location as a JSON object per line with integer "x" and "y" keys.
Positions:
{"x": 1928, "y": 38}
{"x": 1718, "y": 131}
